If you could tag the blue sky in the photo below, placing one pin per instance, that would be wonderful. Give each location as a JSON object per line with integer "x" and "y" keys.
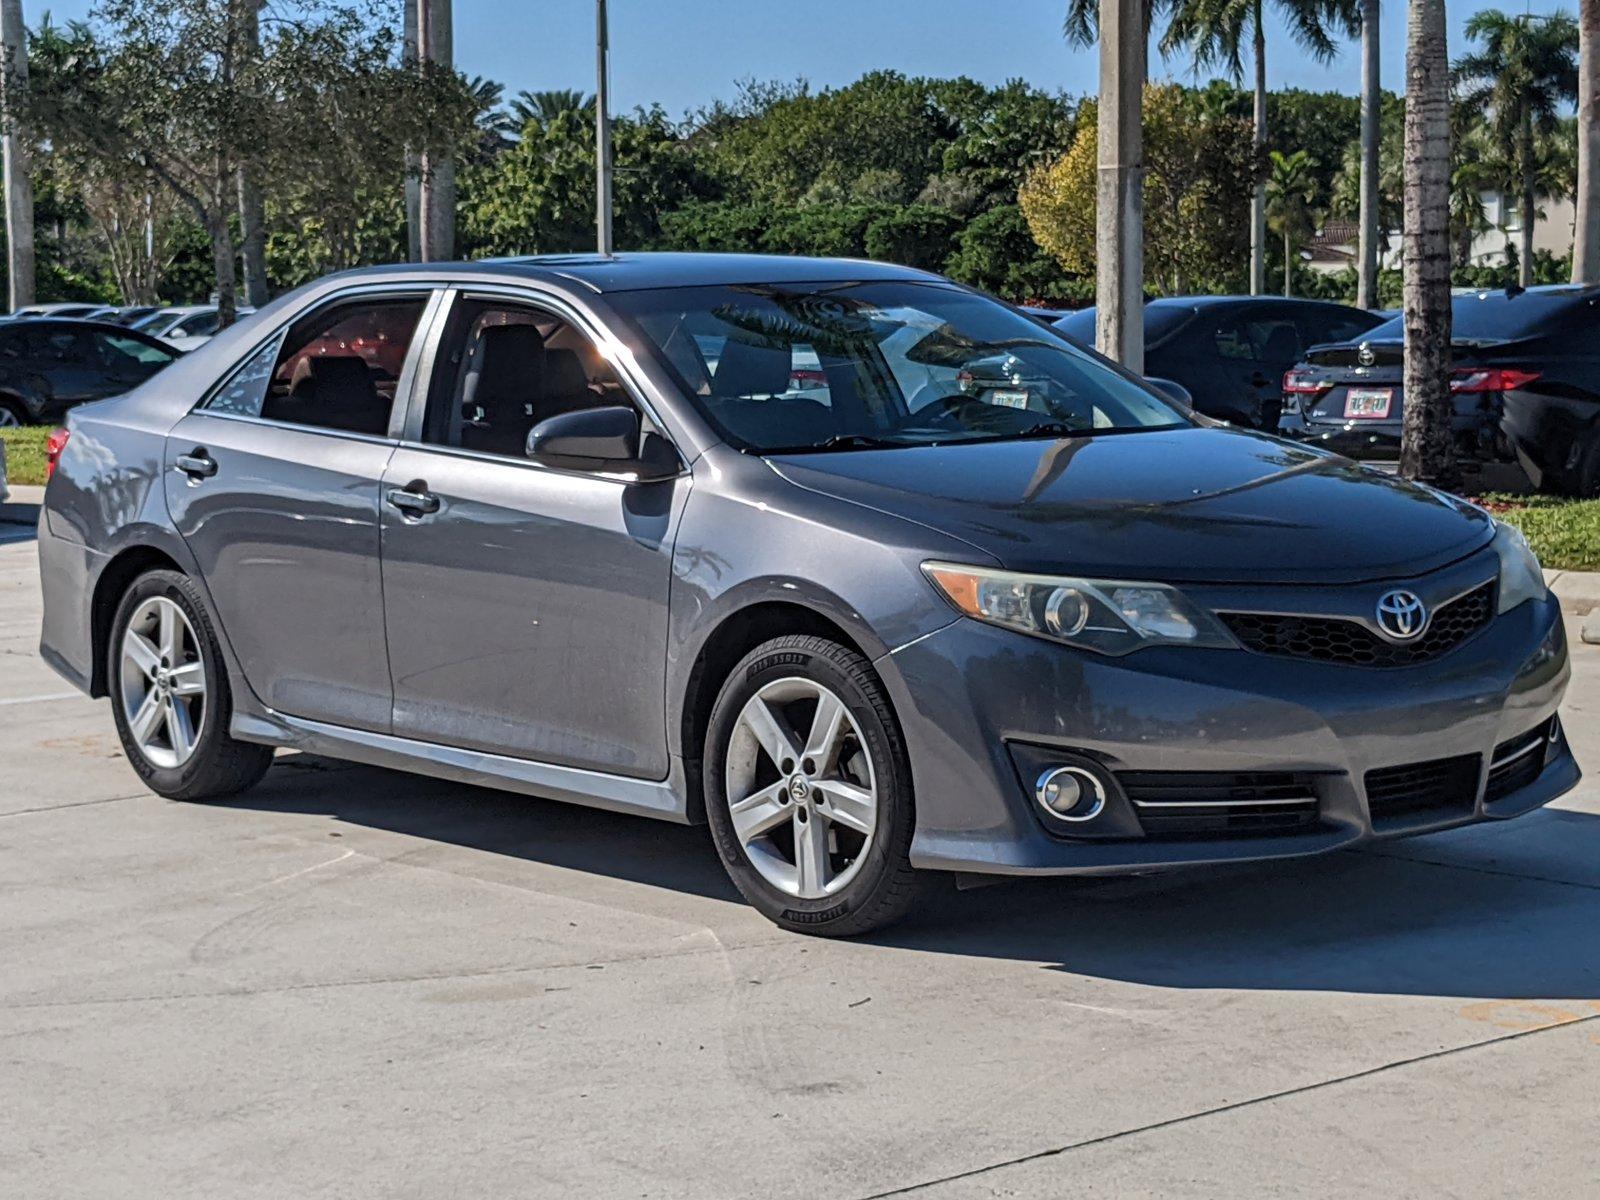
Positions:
{"x": 685, "y": 53}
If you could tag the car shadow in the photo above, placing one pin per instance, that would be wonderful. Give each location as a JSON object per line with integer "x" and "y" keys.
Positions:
{"x": 1497, "y": 911}
{"x": 18, "y": 522}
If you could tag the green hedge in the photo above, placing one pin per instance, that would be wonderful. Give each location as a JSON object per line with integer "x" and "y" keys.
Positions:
{"x": 25, "y": 453}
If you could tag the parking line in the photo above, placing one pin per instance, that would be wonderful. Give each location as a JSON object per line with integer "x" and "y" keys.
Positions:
{"x": 40, "y": 699}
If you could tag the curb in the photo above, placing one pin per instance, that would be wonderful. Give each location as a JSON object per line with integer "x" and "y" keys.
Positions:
{"x": 1578, "y": 591}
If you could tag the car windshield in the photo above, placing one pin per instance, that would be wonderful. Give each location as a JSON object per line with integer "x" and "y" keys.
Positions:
{"x": 843, "y": 366}
{"x": 158, "y": 323}
{"x": 1490, "y": 317}
{"x": 1160, "y": 321}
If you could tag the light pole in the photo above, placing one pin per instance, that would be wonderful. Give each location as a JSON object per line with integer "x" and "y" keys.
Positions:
{"x": 18, "y": 182}
{"x": 437, "y": 199}
{"x": 602, "y": 128}
{"x": 1119, "y": 186}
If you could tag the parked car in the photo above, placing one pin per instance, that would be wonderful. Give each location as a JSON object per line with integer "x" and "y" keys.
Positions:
{"x": 132, "y": 314}
{"x": 1230, "y": 352}
{"x": 503, "y": 522}
{"x": 62, "y": 309}
{"x": 47, "y": 365}
{"x": 1525, "y": 384}
{"x": 186, "y": 326}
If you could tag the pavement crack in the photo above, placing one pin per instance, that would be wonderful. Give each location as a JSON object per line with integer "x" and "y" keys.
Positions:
{"x": 1221, "y": 1109}
{"x": 1449, "y": 866}
{"x": 50, "y": 808}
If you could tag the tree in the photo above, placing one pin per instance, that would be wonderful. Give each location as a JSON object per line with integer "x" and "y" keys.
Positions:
{"x": 915, "y": 236}
{"x": 545, "y": 107}
{"x": 1290, "y": 188}
{"x": 1199, "y": 168}
{"x": 1517, "y": 79}
{"x": 997, "y": 253}
{"x": 20, "y": 263}
{"x": 1427, "y": 446}
{"x": 1215, "y": 30}
{"x": 1586, "y": 228}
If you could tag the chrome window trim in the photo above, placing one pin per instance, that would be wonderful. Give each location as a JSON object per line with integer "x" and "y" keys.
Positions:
{"x": 342, "y": 434}
{"x": 431, "y": 293}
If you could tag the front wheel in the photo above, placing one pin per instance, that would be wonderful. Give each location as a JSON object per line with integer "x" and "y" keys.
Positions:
{"x": 808, "y": 789}
{"x": 169, "y": 694}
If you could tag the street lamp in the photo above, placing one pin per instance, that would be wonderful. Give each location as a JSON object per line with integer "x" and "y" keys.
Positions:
{"x": 602, "y": 128}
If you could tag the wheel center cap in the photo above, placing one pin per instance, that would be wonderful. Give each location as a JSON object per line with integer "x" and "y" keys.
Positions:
{"x": 799, "y": 789}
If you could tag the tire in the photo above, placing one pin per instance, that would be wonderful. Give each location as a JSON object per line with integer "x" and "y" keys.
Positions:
{"x": 863, "y": 865}
{"x": 13, "y": 413}
{"x": 187, "y": 758}
{"x": 1586, "y": 477}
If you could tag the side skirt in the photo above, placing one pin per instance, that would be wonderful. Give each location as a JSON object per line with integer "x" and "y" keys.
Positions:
{"x": 663, "y": 799}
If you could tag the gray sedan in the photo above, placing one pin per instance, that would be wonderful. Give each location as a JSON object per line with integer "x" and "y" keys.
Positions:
{"x": 730, "y": 540}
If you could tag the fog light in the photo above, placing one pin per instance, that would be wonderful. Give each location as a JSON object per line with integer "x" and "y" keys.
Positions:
{"x": 1070, "y": 793}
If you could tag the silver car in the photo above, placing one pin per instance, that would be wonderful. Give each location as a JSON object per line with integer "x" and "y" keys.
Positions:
{"x": 725, "y": 539}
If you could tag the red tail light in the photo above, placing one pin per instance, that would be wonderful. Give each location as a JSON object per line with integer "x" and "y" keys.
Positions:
{"x": 1301, "y": 383}
{"x": 1491, "y": 379}
{"x": 54, "y": 445}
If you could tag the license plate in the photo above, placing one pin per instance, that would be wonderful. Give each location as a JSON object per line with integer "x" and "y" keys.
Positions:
{"x": 1009, "y": 399}
{"x": 1369, "y": 404}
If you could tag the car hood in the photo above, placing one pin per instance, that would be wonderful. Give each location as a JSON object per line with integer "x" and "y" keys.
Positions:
{"x": 1194, "y": 504}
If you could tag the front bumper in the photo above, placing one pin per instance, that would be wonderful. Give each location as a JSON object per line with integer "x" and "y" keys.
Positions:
{"x": 970, "y": 695}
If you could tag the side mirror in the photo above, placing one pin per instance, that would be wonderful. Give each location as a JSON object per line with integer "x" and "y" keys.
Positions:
{"x": 1172, "y": 390}
{"x": 601, "y": 439}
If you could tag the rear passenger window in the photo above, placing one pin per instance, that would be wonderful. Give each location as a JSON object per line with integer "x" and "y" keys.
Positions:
{"x": 334, "y": 369}
{"x": 503, "y": 368}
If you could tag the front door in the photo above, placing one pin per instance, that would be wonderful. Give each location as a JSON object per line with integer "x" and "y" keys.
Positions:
{"x": 273, "y": 483}
{"x": 526, "y": 606}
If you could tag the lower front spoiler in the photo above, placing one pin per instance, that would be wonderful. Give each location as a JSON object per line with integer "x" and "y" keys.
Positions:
{"x": 1346, "y": 825}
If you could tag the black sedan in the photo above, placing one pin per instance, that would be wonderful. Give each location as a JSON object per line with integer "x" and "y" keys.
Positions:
{"x": 1231, "y": 352}
{"x": 48, "y": 365}
{"x": 1525, "y": 380}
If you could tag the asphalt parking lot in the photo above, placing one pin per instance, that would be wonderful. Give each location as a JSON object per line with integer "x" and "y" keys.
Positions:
{"x": 351, "y": 982}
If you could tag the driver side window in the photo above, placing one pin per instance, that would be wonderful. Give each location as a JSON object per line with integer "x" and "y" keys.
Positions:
{"x": 504, "y": 367}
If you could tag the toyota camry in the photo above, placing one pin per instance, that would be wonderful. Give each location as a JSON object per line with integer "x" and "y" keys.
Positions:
{"x": 726, "y": 539}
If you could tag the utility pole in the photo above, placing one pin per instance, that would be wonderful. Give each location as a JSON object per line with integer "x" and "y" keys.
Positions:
{"x": 436, "y": 207}
{"x": 1119, "y": 186}
{"x": 252, "y": 218}
{"x": 602, "y": 128}
{"x": 1586, "y": 232}
{"x": 1371, "y": 105}
{"x": 14, "y": 149}
{"x": 410, "y": 58}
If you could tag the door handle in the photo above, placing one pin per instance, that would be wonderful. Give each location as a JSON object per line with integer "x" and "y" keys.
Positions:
{"x": 197, "y": 464}
{"x": 414, "y": 500}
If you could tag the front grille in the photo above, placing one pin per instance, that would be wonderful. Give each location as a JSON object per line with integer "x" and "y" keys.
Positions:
{"x": 1191, "y": 804}
{"x": 1335, "y": 640}
{"x": 1444, "y": 786}
{"x": 1519, "y": 761}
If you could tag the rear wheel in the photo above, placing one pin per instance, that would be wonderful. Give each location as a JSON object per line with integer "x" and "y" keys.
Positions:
{"x": 12, "y": 414}
{"x": 170, "y": 697}
{"x": 1585, "y": 477}
{"x": 808, "y": 791}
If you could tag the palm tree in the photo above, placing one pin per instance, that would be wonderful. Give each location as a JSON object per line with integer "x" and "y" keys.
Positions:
{"x": 1586, "y": 227}
{"x": 545, "y": 107}
{"x": 1427, "y": 446}
{"x": 1215, "y": 32}
{"x": 1522, "y": 71}
{"x": 1290, "y": 187}
{"x": 18, "y": 180}
{"x": 1371, "y": 133}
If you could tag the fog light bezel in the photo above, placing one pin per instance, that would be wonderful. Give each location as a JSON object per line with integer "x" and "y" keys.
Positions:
{"x": 1087, "y": 780}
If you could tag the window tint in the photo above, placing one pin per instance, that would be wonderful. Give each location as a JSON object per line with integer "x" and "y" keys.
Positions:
{"x": 334, "y": 369}
{"x": 1322, "y": 326}
{"x": 117, "y": 351}
{"x": 12, "y": 344}
{"x": 55, "y": 344}
{"x": 199, "y": 325}
{"x": 1258, "y": 337}
{"x": 503, "y": 368}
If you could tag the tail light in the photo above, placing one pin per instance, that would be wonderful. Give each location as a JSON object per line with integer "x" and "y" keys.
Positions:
{"x": 1490, "y": 379}
{"x": 1303, "y": 383}
{"x": 54, "y": 445}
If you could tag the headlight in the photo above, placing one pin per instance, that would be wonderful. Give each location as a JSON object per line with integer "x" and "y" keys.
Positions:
{"x": 1520, "y": 576}
{"x": 1094, "y": 614}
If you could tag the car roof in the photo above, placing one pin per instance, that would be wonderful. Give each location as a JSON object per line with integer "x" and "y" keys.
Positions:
{"x": 631, "y": 271}
{"x": 90, "y": 323}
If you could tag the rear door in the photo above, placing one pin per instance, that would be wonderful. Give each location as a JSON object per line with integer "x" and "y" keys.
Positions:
{"x": 526, "y": 606}
{"x": 273, "y": 483}
{"x": 1257, "y": 344}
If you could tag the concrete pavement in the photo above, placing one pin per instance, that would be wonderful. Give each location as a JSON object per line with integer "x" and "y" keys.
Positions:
{"x": 352, "y": 982}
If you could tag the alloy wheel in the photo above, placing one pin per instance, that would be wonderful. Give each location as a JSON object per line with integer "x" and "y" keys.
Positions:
{"x": 801, "y": 788}
{"x": 163, "y": 682}
{"x": 8, "y": 418}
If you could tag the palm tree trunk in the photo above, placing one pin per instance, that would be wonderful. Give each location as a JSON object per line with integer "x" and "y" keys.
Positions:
{"x": 437, "y": 200}
{"x": 1371, "y": 102}
{"x": 1586, "y": 230}
{"x": 1288, "y": 263}
{"x": 252, "y": 222}
{"x": 18, "y": 180}
{"x": 1258, "y": 201}
{"x": 1525, "y": 235}
{"x": 1427, "y": 450}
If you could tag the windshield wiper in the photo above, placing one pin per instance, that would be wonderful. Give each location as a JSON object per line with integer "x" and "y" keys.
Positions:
{"x": 848, "y": 441}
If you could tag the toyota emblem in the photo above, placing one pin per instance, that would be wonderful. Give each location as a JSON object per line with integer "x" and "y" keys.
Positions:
{"x": 1365, "y": 356}
{"x": 1402, "y": 616}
